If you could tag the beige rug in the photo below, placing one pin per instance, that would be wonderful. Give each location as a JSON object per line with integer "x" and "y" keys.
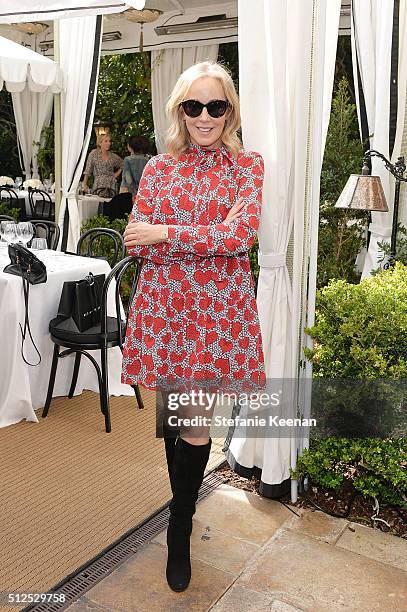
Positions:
{"x": 69, "y": 489}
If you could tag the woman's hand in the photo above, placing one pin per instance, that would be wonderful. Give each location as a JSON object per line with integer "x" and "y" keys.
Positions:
{"x": 142, "y": 233}
{"x": 235, "y": 212}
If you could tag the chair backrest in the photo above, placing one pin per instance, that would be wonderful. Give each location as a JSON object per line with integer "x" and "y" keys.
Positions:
{"x": 6, "y": 218}
{"x": 102, "y": 242}
{"x": 8, "y": 195}
{"x": 104, "y": 192}
{"x": 118, "y": 207}
{"x": 48, "y": 230}
{"x": 41, "y": 204}
{"x": 118, "y": 273}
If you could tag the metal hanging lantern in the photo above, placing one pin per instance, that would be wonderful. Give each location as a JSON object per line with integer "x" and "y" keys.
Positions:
{"x": 142, "y": 17}
{"x": 30, "y": 28}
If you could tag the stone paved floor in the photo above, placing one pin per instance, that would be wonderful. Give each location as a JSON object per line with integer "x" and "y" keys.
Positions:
{"x": 250, "y": 554}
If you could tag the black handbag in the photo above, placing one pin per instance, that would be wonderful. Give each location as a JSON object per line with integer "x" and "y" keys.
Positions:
{"x": 33, "y": 272}
{"x": 24, "y": 263}
{"x": 81, "y": 301}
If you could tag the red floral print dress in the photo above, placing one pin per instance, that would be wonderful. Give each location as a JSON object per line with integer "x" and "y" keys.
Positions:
{"x": 194, "y": 316}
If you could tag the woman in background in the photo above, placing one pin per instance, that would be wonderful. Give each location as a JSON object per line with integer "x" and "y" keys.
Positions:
{"x": 104, "y": 166}
{"x": 134, "y": 163}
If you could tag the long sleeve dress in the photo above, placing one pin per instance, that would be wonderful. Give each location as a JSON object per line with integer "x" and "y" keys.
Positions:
{"x": 103, "y": 169}
{"x": 194, "y": 316}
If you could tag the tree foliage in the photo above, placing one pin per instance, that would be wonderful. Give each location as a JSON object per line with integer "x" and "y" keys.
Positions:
{"x": 9, "y": 162}
{"x": 340, "y": 231}
{"x": 124, "y": 98}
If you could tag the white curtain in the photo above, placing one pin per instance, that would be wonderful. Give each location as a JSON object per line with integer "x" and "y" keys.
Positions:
{"x": 166, "y": 67}
{"x": 47, "y": 10}
{"x": 372, "y": 38}
{"x": 286, "y": 90}
{"x": 77, "y": 50}
{"x": 32, "y": 112}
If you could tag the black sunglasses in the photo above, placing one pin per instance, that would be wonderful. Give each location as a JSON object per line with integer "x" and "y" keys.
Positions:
{"x": 215, "y": 108}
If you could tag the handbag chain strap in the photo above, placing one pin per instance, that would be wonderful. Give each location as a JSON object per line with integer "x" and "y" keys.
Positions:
{"x": 26, "y": 288}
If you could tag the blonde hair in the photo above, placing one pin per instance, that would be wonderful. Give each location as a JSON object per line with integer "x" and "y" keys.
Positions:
{"x": 177, "y": 136}
{"x": 101, "y": 137}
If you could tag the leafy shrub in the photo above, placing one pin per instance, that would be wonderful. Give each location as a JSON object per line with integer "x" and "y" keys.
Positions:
{"x": 361, "y": 333}
{"x": 46, "y": 152}
{"x": 254, "y": 265}
{"x": 377, "y": 468}
{"x": 401, "y": 246}
{"x": 361, "y": 330}
{"x": 5, "y": 209}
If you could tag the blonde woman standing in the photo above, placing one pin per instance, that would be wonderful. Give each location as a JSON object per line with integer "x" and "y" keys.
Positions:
{"x": 105, "y": 166}
{"x": 194, "y": 317}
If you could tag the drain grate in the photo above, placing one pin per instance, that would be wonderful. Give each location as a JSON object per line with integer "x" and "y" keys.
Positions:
{"x": 87, "y": 576}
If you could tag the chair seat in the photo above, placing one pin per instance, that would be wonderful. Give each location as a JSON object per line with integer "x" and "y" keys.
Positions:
{"x": 66, "y": 330}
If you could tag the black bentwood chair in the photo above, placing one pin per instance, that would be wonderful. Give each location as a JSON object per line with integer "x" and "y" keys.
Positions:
{"x": 104, "y": 192}
{"x": 108, "y": 333}
{"x": 93, "y": 241}
{"x": 7, "y": 218}
{"x": 10, "y": 197}
{"x": 41, "y": 204}
{"x": 48, "y": 230}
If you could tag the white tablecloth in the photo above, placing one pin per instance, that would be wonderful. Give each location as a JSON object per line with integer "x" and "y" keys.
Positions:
{"x": 88, "y": 207}
{"x": 23, "y": 389}
{"x": 87, "y": 204}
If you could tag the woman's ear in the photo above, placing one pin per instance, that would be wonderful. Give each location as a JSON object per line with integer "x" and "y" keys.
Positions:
{"x": 181, "y": 113}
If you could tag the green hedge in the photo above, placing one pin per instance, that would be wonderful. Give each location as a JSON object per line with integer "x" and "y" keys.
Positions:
{"x": 5, "y": 209}
{"x": 377, "y": 468}
{"x": 361, "y": 330}
{"x": 361, "y": 333}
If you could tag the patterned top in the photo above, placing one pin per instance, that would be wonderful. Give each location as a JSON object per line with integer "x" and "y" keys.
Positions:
{"x": 132, "y": 171}
{"x": 103, "y": 170}
{"x": 194, "y": 316}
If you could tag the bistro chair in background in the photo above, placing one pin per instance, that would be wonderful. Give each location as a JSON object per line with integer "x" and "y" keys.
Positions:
{"x": 6, "y": 218}
{"x": 118, "y": 207}
{"x": 48, "y": 230}
{"x": 10, "y": 197}
{"x": 104, "y": 192}
{"x": 110, "y": 332}
{"x": 41, "y": 205}
{"x": 89, "y": 244}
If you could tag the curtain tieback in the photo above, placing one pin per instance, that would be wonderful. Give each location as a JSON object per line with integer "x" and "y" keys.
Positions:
{"x": 68, "y": 194}
{"x": 271, "y": 260}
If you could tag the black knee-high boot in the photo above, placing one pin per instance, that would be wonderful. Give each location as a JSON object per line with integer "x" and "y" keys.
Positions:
{"x": 170, "y": 437}
{"x": 187, "y": 474}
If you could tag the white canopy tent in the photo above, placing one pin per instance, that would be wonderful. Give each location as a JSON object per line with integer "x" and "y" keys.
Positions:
{"x": 32, "y": 80}
{"x": 29, "y": 11}
{"x": 21, "y": 68}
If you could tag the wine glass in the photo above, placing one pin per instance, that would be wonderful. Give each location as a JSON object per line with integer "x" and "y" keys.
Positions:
{"x": 39, "y": 244}
{"x": 8, "y": 230}
{"x": 3, "y": 242}
{"x": 18, "y": 182}
{"x": 47, "y": 184}
{"x": 25, "y": 232}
